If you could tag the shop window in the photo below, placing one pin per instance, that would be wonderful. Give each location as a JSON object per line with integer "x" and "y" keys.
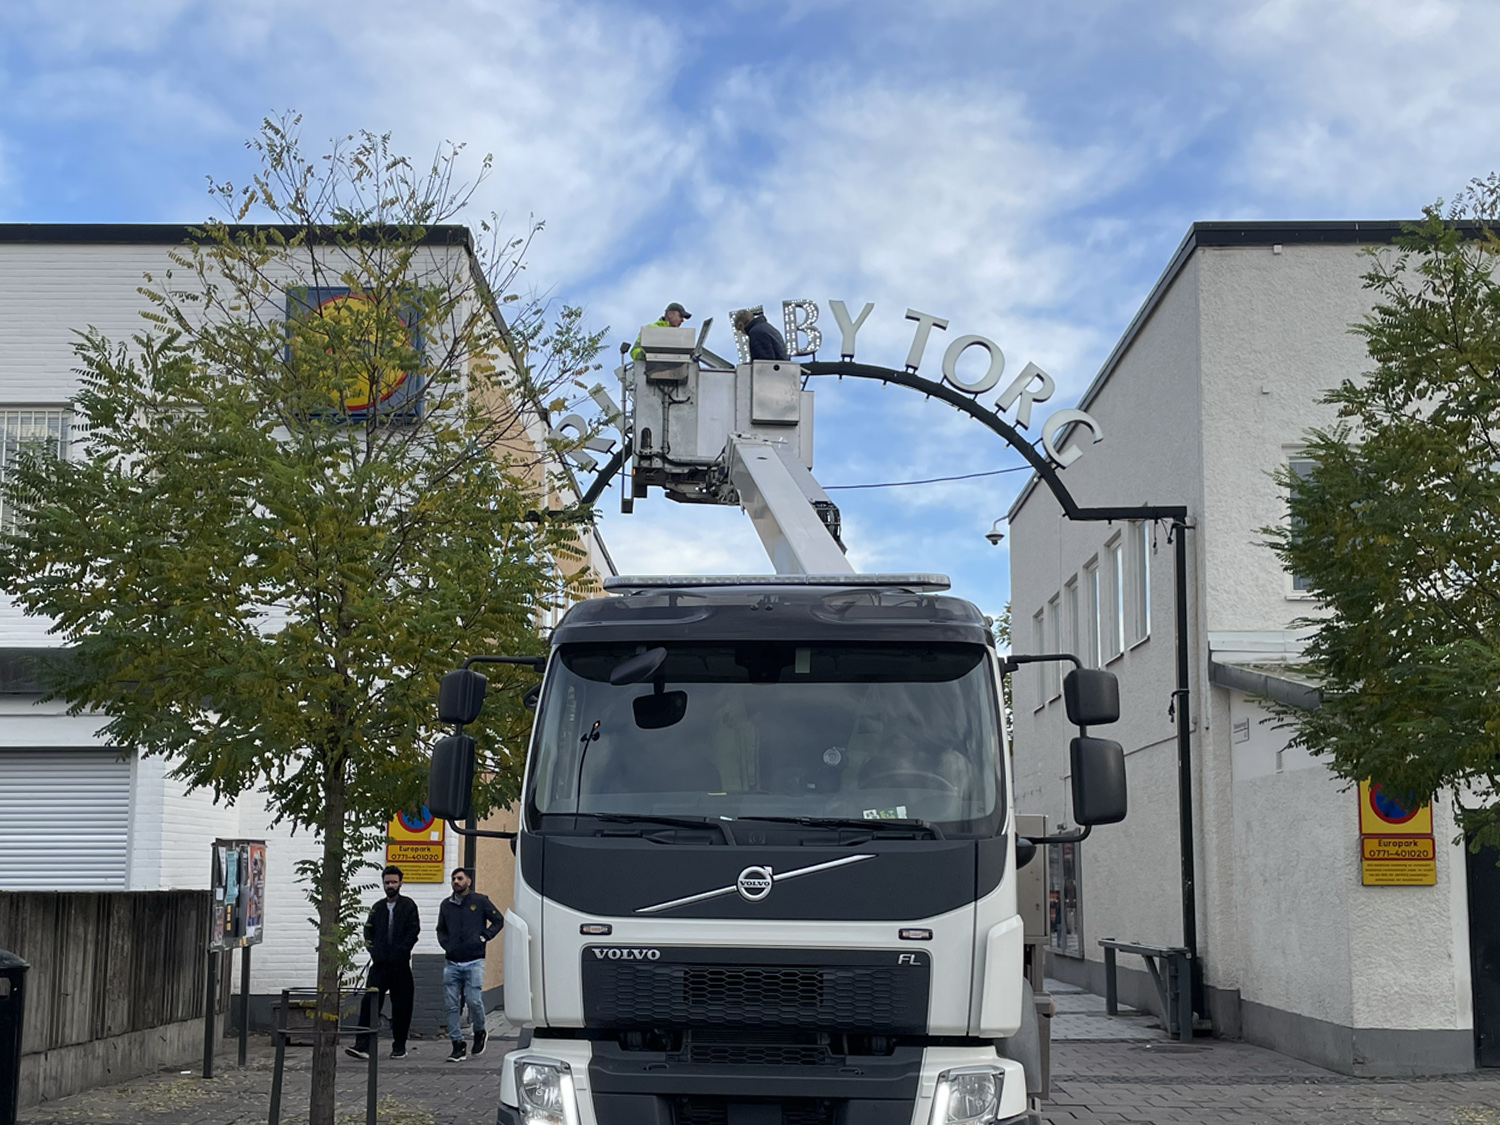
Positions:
{"x": 1064, "y": 904}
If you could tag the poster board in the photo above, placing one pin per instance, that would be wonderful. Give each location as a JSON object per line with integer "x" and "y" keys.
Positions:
{"x": 239, "y": 890}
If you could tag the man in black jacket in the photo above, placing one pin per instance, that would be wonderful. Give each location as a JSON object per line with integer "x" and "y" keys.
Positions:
{"x": 765, "y": 341}
{"x": 390, "y": 933}
{"x": 467, "y": 921}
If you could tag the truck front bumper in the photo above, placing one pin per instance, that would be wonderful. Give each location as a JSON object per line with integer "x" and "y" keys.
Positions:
{"x": 616, "y": 1087}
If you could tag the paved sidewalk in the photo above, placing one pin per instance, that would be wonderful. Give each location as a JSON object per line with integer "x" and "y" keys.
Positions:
{"x": 1115, "y": 1070}
{"x": 421, "y": 1089}
{"x": 1105, "y": 1071}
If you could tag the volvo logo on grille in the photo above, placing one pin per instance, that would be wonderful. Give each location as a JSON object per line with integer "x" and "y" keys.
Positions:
{"x": 754, "y": 883}
{"x": 618, "y": 953}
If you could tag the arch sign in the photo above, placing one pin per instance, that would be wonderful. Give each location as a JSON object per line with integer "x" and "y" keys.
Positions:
{"x": 1032, "y": 385}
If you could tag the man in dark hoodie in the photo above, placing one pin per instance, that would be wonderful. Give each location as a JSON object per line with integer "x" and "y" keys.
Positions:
{"x": 390, "y": 932}
{"x": 467, "y": 921}
{"x": 765, "y": 341}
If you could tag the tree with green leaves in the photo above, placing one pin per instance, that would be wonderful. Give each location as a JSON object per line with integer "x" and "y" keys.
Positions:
{"x": 304, "y": 491}
{"x": 1396, "y": 528}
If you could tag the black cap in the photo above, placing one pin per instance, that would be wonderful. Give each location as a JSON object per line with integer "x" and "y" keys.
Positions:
{"x": 675, "y": 307}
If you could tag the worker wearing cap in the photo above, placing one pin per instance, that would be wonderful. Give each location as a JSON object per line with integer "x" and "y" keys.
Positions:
{"x": 673, "y": 317}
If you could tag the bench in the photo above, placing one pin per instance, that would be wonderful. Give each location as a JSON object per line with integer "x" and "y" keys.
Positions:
{"x": 1171, "y": 972}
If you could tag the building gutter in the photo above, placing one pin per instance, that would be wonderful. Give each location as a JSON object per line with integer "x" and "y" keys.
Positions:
{"x": 1267, "y": 685}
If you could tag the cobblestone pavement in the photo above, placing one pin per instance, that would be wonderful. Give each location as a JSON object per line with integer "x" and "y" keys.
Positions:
{"x": 421, "y": 1089}
{"x": 1114, "y": 1083}
{"x": 1138, "y": 1077}
{"x": 1120, "y": 1070}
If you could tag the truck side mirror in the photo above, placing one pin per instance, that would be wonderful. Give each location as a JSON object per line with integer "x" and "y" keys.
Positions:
{"x": 461, "y": 695}
{"x": 1092, "y": 696}
{"x": 450, "y": 778}
{"x": 1098, "y": 781}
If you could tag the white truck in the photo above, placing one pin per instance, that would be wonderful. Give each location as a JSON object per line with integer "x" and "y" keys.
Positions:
{"x": 766, "y": 860}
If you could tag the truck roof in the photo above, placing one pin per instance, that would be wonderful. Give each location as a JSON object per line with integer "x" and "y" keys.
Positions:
{"x": 763, "y": 607}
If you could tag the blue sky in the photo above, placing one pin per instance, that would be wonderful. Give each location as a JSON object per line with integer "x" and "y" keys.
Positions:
{"x": 1024, "y": 170}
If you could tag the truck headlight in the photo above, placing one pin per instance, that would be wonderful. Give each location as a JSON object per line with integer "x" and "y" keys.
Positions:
{"x": 544, "y": 1091}
{"x": 967, "y": 1095}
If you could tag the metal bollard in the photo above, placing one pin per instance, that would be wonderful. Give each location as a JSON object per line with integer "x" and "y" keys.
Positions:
{"x": 12, "y": 1009}
{"x": 278, "y": 1037}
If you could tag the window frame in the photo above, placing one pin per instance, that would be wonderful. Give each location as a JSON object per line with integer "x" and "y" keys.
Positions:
{"x": 1112, "y": 603}
{"x": 1051, "y": 668}
{"x": 1138, "y": 570}
{"x": 1092, "y": 646}
{"x": 10, "y": 445}
{"x": 1038, "y": 644}
{"x": 1073, "y": 623}
{"x": 1294, "y": 456}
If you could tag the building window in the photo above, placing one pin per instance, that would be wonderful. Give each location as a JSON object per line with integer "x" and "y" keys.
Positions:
{"x": 1112, "y": 606}
{"x": 1054, "y": 642}
{"x": 1064, "y": 905}
{"x": 1302, "y": 468}
{"x": 1092, "y": 605}
{"x": 44, "y": 429}
{"x": 1138, "y": 570}
{"x": 1070, "y": 612}
{"x": 1038, "y": 645}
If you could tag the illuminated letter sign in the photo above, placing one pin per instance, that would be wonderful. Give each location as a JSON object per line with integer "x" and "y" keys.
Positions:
{"x": 797, "y": 327}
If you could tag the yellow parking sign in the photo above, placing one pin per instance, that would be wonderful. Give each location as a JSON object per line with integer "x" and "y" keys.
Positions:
{"x": 414, "y": 843}
{"x": 1396, "y": 846}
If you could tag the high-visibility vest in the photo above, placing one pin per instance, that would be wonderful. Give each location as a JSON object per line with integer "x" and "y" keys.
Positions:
{"x": 639, "y": 352}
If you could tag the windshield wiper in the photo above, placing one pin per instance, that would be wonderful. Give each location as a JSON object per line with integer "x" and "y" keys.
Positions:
{"x": 872, "y": 826}
{"x": 672, "y": 821}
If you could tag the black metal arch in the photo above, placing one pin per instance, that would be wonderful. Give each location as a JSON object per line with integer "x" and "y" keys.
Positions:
{"x": 1175, "y": 514}
{"x": 969, "y": 405}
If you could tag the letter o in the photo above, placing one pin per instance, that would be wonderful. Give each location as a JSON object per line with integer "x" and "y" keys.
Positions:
{"x": 990, "y": 377}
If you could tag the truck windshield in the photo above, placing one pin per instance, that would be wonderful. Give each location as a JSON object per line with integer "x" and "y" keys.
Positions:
{"x": 741, "y": 729}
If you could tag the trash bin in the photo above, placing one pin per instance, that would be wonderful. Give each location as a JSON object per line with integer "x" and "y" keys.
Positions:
{"x": 12, "y": 1007}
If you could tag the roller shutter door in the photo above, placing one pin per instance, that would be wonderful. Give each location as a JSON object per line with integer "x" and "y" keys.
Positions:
{"x": 64, "y": 819}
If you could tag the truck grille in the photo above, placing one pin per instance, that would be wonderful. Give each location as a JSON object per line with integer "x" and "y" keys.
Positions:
{"x": 844, "y": 990}
{"x": 760, "y": 1054}
{"x": 715, "y": 1111}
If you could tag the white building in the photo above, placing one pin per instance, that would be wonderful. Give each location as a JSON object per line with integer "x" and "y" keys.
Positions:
{"x": 1211, "y": 388}
{"x": 75, "y": 812}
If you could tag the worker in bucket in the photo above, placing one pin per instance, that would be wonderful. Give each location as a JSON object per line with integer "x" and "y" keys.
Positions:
{"x": 673, "y": 317}
{"x": 765, "y": 341}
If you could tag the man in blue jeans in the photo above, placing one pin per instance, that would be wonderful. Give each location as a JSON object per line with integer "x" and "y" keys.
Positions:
{"x": 467, "y": 921}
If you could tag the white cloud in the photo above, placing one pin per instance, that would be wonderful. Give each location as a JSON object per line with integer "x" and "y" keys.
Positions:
{"x": 1355, "y": 105}
{"x": 1031, "y": 201}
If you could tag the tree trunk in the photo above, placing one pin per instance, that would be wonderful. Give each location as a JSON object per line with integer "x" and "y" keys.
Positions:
{"x": 330, "y": 894}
